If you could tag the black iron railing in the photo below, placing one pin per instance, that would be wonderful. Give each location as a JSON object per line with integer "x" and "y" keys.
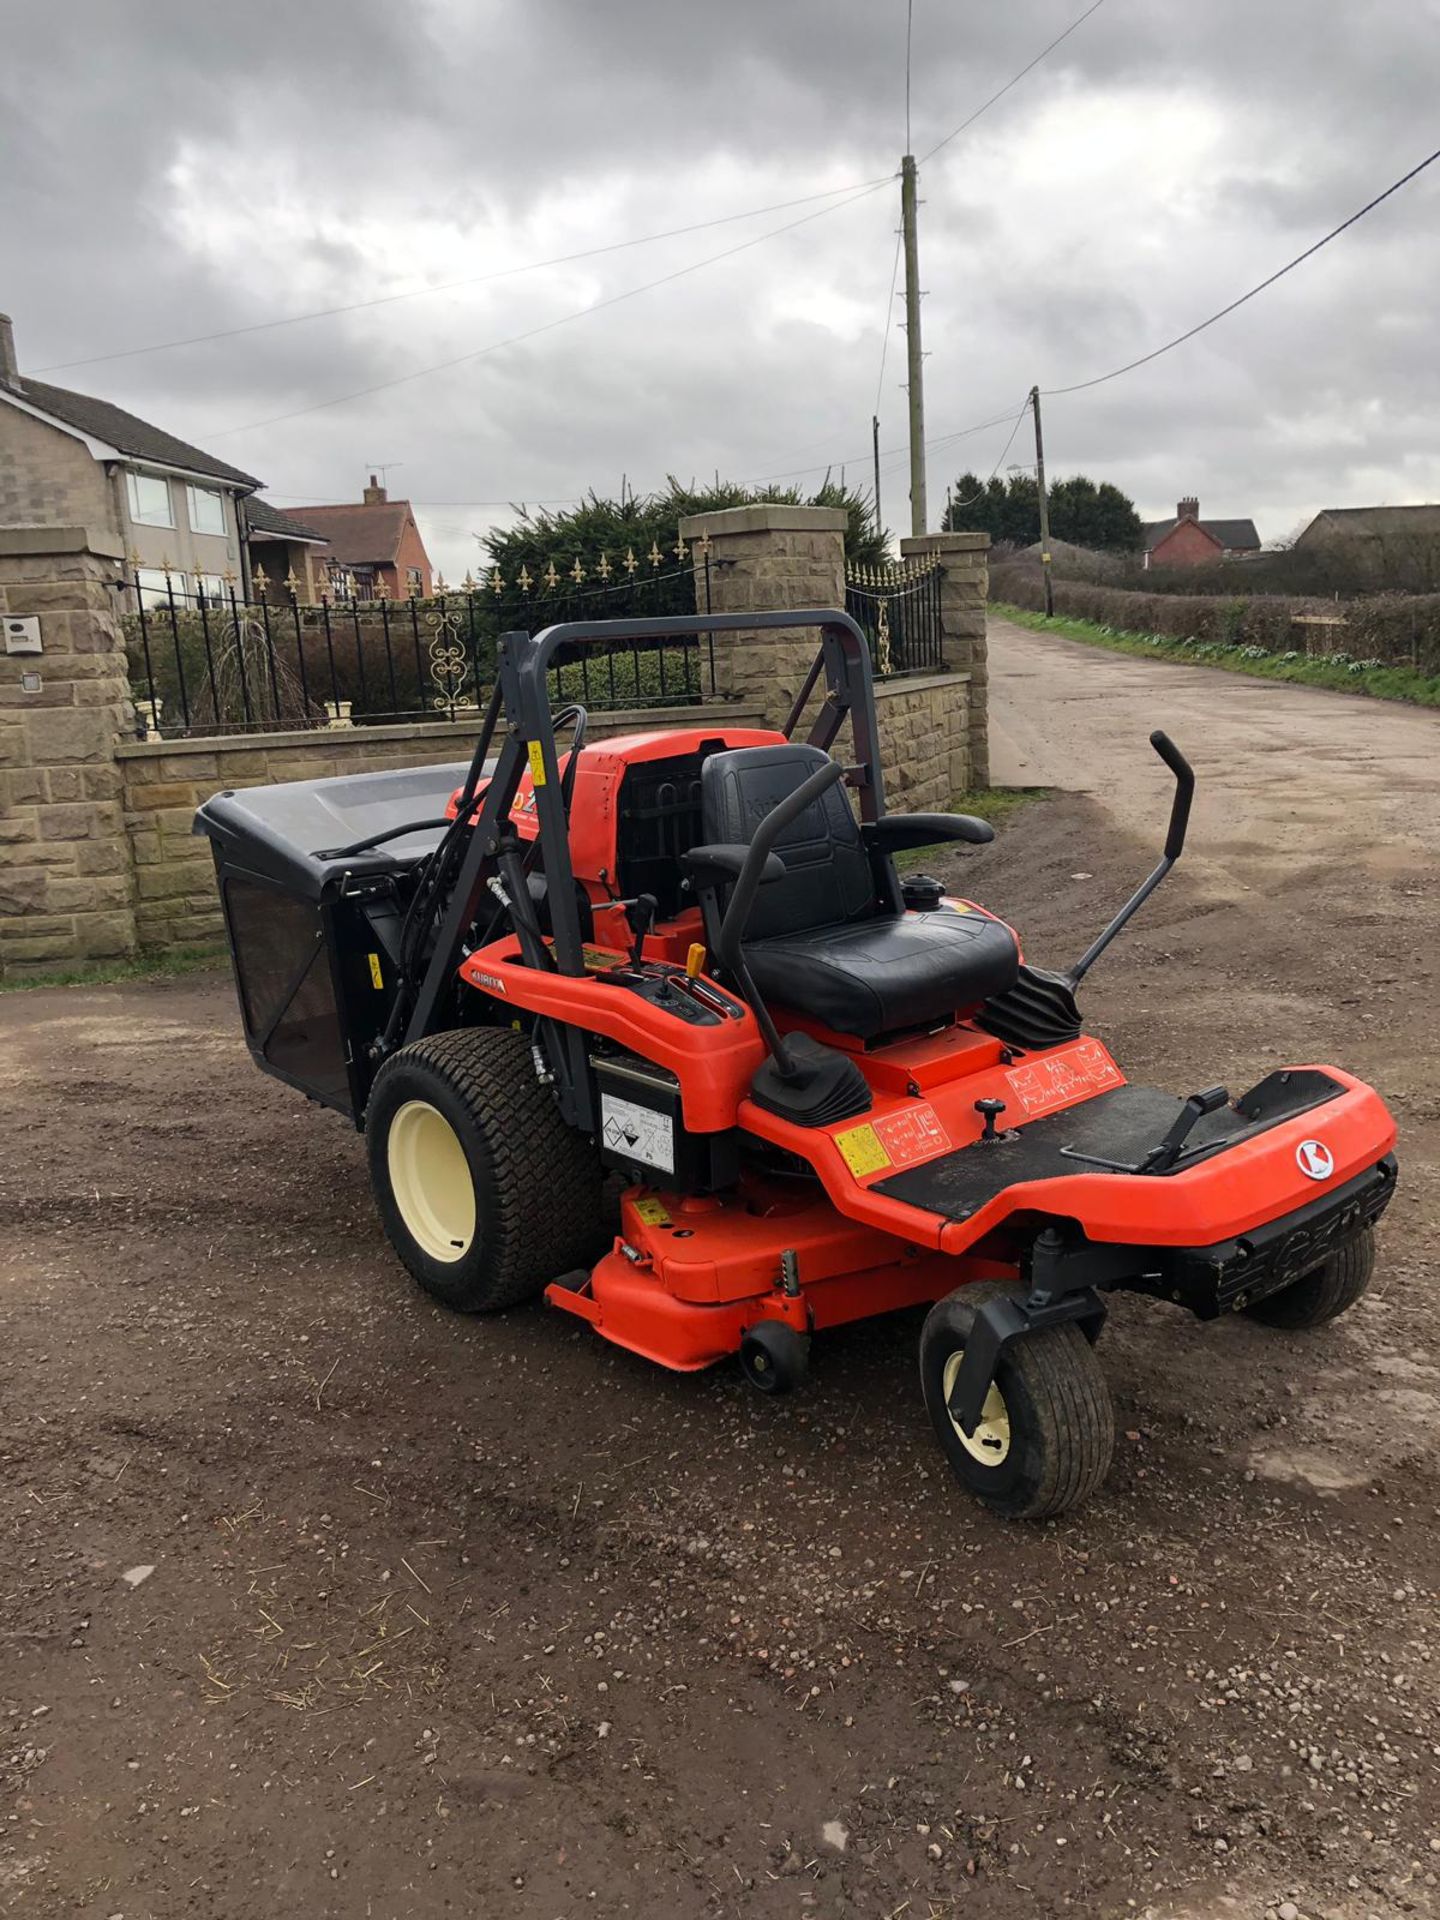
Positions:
{"x": 219, "y": 663}
{"x": 898, "y": 607}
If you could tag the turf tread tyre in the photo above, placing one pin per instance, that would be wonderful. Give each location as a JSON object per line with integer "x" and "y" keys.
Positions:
{"x": 1062, "y": 1421}
{"x": 1321, "y": 1296}
{"x": 537, "y": 1181}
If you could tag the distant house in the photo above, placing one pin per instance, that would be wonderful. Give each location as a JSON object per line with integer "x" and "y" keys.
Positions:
{"x": 1189, "y": 541}
{"x": 68, "y": 459}
{"x": 280, "y": 548}
{"x": 1396, "y": 546}
{"x": 371, "y": 544}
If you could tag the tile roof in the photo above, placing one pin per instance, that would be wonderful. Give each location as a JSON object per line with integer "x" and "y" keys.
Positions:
{"x": 125, "y": 432}
{"x": 261, "y": 517}
{"x": 1233, "y": 535}
{"x": 361, "y": 536}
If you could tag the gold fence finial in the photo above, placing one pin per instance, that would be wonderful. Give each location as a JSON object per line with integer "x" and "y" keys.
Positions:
{"x": 680, "y": 548}
{"x": 497, "y": 581}
{"x": 259, "y": 579}
{"x": 577, "y": 572}
{"x": 702, "y": 547}
{"x": 604, "y": 569}
{"x": 551, "y": 577}
{"x": 630, "y": 563}
{"x": 523, "y": 579}
{"x": 655, "y": 555}
{"x": 292, "y": 584}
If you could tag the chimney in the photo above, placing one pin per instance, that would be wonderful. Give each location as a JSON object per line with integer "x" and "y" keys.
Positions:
{"x": 9, "y": 367}
{"x": 374, "y": 494}
{"x": 1188, "y": 508}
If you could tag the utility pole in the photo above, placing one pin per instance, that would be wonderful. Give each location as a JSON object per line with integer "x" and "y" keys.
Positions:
{"x": 875, "y": 442}
{"x": 1044, "y": 507}
{"x": 913, "y": 354}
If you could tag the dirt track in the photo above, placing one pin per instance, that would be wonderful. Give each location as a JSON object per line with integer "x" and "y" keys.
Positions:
{"x": 481, "y": 1618}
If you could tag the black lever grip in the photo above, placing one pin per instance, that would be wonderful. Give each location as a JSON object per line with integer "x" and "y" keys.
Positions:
{"x": 1184, "y": 791}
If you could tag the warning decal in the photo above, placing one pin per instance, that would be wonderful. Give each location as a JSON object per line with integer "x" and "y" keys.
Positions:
{"x": 537, "y": 763}
{"x": 377, "y": 979}
{"x": 638, "y": 1132}
{"x": 861, "y": 1150}
{"x": 652, "y": 1212}
{"x": 912, "y": 1135}
{"x": 1079, "y": 1072}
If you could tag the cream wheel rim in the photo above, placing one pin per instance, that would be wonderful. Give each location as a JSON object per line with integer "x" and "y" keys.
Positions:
{"x": 990, "y": 1442}
{"x": 431, "y": 1181}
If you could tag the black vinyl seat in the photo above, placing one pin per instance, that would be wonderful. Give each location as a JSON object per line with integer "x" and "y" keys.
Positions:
{"x": 824, "y": 941}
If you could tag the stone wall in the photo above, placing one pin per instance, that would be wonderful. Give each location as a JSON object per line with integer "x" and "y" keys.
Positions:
{"x": 65, "y": 885}
{"x": 925, "y": 740}
{"x": 964, "y": 591}
{"x": 165, "y": 780}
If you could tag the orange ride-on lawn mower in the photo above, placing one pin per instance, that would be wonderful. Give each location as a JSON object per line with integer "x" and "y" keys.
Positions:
{"x": 687, "y": 959}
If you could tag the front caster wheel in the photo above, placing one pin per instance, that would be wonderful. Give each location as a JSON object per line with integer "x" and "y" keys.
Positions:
{"x": 773, "y": 1357}
{"x": 1324, "y": 1294}
{"x": 1046, "y": 1431}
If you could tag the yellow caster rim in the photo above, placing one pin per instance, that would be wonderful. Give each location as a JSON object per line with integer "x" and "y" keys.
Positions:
{"x": 990, "y": 1442}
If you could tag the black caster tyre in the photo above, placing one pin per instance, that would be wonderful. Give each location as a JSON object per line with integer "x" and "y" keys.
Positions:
{"x": 773, "y": 1357}
{"x": 1324, "y": 1294}
{"x": 1047, "y": 1430}
{"x": 483, "y": 1191}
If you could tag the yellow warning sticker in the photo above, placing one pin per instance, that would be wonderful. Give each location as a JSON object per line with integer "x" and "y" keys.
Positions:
{"x": 537, "y": 764}
{"x": 377, "y": 979}
{"x": 652, "y": 1213}
{"x": 862, "y": 1151}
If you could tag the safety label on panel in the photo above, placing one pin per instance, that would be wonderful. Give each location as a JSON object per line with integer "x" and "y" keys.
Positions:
{"x": 861, "y": 1150}
{"x": 912, "y": 1135}
{"x": 1076, "y": 1074}
{"x": 638, "y": 1132}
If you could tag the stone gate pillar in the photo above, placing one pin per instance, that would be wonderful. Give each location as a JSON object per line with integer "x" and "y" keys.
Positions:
{"x": 963, "y": 594}
{"x": 764, "y": 559}
{"x": 65, "y": 881}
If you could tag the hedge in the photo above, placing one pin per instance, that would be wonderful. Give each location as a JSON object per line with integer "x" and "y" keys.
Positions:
{"x": 1388, "y": 629}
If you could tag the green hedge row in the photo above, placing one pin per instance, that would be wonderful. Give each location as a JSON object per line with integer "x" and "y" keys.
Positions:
{"x": 1388, "y": 629}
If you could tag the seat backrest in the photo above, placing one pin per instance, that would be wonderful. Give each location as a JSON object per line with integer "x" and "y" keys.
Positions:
{"x": 828, "y": 880}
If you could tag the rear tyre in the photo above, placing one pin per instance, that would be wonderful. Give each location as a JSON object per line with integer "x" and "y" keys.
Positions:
{"x": 1324, "y": 1294}
{"x": 483, "y": 1190}
{"x": 1047, "y": 1429}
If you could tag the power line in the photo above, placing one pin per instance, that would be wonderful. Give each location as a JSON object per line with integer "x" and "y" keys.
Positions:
{"x": 1030, "y": 68}
{"x": 548, "y": 326}
{"x": 471, "y": 280}
{"x": 1080, "y": 386}
{"x": 1001, "y": 461}
{"x": 889, "y": 317}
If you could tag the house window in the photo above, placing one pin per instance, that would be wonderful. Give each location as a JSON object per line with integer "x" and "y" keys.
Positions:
{"x": 149, "y": 500}
{"x": 154, "y": 591}
{"x": 207, "y": 510}
{"x": 216, "y": 593}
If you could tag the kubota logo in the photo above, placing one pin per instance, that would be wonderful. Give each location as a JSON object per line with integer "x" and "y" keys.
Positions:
{"x": 1314, "y": 1158}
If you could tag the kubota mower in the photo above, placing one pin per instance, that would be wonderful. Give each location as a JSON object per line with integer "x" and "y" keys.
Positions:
{"x": 687, "y": 959}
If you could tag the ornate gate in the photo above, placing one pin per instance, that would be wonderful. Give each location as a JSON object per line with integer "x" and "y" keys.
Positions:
{"x": 898, "y": 607}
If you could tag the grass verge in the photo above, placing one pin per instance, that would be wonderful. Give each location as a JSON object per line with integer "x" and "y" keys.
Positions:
{"x": 109, "y": 973}
{"x": 1336, "y": 672}
{"x": 985, "y": 803}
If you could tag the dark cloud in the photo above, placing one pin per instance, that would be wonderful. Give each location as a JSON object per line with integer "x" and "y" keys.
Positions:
{"x": 175, "y": 169}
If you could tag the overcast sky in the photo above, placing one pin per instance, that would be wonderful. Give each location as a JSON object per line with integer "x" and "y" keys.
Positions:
{"x": 169, "y": 168}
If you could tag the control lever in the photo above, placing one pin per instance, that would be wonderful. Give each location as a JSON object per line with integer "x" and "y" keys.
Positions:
{"x": 640, "y": 916}
{"x": 1160, "y": 1159}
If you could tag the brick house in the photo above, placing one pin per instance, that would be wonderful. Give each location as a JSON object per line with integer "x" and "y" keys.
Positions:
{"x": 371, "y": 543}
{"x": 1189, "y": 541}
{"x": 68, "y": 460}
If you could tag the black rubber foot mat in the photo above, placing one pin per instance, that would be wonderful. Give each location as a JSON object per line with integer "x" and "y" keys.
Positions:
{"x": 1117, "y": 1128}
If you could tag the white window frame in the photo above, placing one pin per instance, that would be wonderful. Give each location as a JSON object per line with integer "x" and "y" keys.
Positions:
{"x": 150, "y": 584}
{"x": 200, "y": 494}
{"x": 213, "y": 586}
{"x": 132, "y": 494}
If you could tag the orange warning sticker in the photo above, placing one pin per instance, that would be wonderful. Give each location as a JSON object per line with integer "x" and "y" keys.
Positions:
{"x": 1081, "y": 1071}
{"x": 912, "y": 1135}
